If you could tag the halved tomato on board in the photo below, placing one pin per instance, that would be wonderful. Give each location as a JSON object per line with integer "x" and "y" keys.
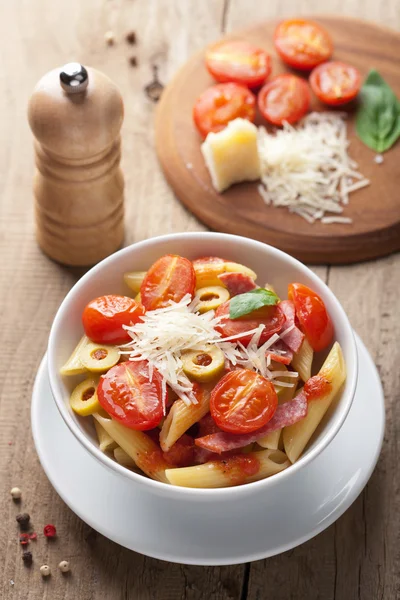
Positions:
{"x": 171, "y": 277}
{"x": 312, "y": 315}
{"x": 128, "y": 395}
{"x": 243, "y": 401}
{"x": 104, "y": 317}
{"x": 238, "y": 61}
{"x": 222, "y": 103}
{"x": 284, "y": 98}
{"x": 270, "y": 316}
{"x": 335, "y": 83}
{"x": 302, "y": 44}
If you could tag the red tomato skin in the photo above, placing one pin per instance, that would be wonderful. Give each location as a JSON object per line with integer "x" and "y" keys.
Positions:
{"x": 228, "y": 390}
{"x": 313, "y": 317}
{"x": 220, "y": 104}
{"x": 300, "y": 98}
{"x": 271, "y": 316}
{"x": 181, "y": 454}
{"x": 126, "y": 394}
{"x": 345, "y": 95}
{"x": 302, "y": 60}
{"x": 104, "y": 316}
{"x": 171, "y": 277}
{"x": 237, "y": 71}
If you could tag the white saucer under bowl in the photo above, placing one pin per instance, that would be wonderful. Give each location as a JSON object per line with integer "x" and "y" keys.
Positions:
{"x": 188, "y": 533}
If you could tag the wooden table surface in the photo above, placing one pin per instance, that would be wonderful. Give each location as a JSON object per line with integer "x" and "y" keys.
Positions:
{"x": 357, "y": 557}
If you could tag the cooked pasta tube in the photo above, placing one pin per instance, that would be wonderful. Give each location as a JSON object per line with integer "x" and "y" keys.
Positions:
{"x": 285, "y": 394}
{"x": 74, "y": 365}
{"x": 271, "y": 440}
{"x": 302, "y": 360}
{"x": 123, "y": 458}
{"x": 297, "y": 436}
{"x": 143, "y": 451}
{"x": 235, "y": 470}
{"x": 106, "y": 443}
{"x": 181, "y": 417}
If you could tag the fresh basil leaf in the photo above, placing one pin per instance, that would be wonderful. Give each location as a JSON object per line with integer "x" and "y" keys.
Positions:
{"x": 243, "y": 304}
{"x": 378, "y": 117}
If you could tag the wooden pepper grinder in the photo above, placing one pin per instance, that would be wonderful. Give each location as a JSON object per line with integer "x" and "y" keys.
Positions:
{"x": 76, "y": 116}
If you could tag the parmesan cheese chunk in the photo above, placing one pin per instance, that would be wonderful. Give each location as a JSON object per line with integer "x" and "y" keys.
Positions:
{"x": 231, "y": 155}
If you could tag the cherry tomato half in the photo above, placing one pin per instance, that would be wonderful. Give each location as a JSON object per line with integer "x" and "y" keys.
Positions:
{"x": 302, "y": 44}
{"x": 127, "y": 394}
{"x": 270, "y": 316}
{"x": 239, "y": 62}
{"x": 222, "y": 103}
{"x": 335, "y": 83}
{"x": 243, "y": 401}
{"x": 312, "y": 315}
{"x": 103, "y": 318}
{"x": 171, "y": 277}
{"x": 284, "y": 98}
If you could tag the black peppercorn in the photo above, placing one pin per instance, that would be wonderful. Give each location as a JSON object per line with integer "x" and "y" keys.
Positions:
{"x": 131, "y": 38}
{"x": 23, "y": 520}
{"x": 27, "y": 558}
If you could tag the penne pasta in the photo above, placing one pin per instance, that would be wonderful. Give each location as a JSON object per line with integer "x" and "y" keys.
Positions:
{"x": 297, "y": 436}
{"x": 181, "y": 417}
{"x": 106, "y": 443}
{"x": 74, "y": 365}
{"x": 124, "y": 459}
{"x": 225, "y": 473}
{"x": 285, "y": 394}
{"x": 139, "y": 446}
{"x": 271, "y": 440}
{"x": 302, "y": 360}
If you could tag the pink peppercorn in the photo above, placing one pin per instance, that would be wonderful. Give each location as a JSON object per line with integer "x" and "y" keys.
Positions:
{"x": 24, "y": 539}
{"x": 33, "y": 535}
{"x": 49, "y": 531}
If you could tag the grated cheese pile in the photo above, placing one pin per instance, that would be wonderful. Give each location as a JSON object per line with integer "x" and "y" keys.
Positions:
{"x": 308, "y": 170}
{"x": 164, "y": 334}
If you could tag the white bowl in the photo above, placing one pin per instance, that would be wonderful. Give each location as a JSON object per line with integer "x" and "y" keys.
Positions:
{"x": 270, "y": 264}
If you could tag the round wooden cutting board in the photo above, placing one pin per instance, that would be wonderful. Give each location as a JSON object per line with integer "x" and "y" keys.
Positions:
{"x": 375, "y": 210}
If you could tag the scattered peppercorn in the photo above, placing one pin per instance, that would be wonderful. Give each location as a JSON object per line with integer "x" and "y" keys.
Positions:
{"x": 131, "y": 38}
{"x": 49, "y": 531}
{"x": 24, "y": 539}
{"x": 133, "y": 61}
{"x": 64, "y": 566}
{"x": 27, "y": 558}
{"x": 33, "y": 535}
{"x": 109, "y": 38}
{"x": 23, "y": 520}
{"x": 16, "y": 493}
{"x": 45, "y": 570}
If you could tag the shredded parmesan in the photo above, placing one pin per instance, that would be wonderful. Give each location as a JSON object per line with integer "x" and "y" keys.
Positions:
{"x": 307, "y": 169}
{"x": 164, "y": 334}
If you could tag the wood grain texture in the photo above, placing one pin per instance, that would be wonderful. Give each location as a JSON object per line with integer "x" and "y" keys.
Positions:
{"x": 375, "y": 230}
{"x": 358, "y": 558}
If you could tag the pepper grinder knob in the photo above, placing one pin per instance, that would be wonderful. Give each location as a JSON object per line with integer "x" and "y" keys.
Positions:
{"x": 74, "y": 78}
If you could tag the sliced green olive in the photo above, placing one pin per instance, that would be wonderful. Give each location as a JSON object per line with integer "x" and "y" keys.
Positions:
{"x": 211, "y": 297}
{"x": 205, "y": 364}
{"x": 84, "y": 399}
{"x": 99, "y": 358}
{"x": 134, "y": 279}
{"x": 74, "y": 365}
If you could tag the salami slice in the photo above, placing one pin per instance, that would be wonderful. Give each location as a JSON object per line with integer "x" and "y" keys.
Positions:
{"x": 294, "y": 337}
{"x": 237, "y": 283}
{"x": 286, "y": 414}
